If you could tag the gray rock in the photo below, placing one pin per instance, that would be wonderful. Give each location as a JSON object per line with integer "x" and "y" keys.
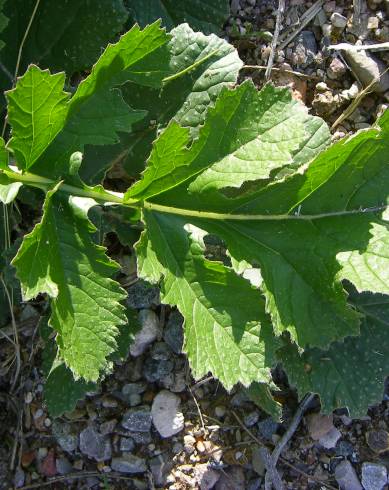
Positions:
{"x": 175, "y": 382}
{"x": 319, "y": 425}
{"x": 143, "y": 295}
{"x": 367, "y": 68}
{"x": 161, "y": 351}
{"x": 137, "y": 419}
{"x": 330, "y": 439}
{"x": 141, "y": 438}
{"x": 205, "y": 477}
{"x": 131, "y": 393}
{"x": 231, "y": 479}
{"x": 344, "y": 448}
{"x": 160, "y": 467}
{"x": 167, "y": 417}
{"x": 268, "y": 427}
{"x": 174, "y": 334}
{"x": 65, "y": 438}
{"x": 129, "y": 463}
{"x": 338, "y": 20}
{"x": 251, "y": 419}
{"x": 157, "y": 370}
{"x": 374, "y": 476}
{"x": 150, "y": 330}
{"x": 64, "y": 466}
{"x": 346, "y": 476}
{"x": 127, "y": 444}
{"x": 95, "y": 445}
{"x": 108, "y": 427}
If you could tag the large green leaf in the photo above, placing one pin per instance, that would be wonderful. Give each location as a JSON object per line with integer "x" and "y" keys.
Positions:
{"x": 292, "y": 230}
{"x": 350, "y": 373}
{"x": 59, "y": 258}
{"x": 37, "y": 109}
{"x": 205, "y": 65}
{"x": 97, "y": 111}
{"x": 206, "y": 16}
{"x": 232, "y": 339}
{"x": 246, "y": 136}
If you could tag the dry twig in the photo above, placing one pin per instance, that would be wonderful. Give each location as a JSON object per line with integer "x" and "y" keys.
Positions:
{"x": 280, "y": 11}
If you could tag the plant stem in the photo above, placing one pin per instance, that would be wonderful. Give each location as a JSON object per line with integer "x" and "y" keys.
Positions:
{"x": 101, "y": 195}
{"x": 104, "y": 196}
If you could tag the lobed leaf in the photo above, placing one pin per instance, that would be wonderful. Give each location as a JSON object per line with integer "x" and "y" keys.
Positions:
{"x": 59, "y": 258}
{"x": 97, "y": 111}
{"x": 232, "y": 339}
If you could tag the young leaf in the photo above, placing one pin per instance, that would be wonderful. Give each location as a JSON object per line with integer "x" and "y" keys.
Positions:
{"x": 206, "y": 16}
{"x": 246, "y": 136}
{"x": 37, "y": 109}
{"x": 59, "y": 258}
{"x": 350, "y": 373}
{"x": 232, "y": 338}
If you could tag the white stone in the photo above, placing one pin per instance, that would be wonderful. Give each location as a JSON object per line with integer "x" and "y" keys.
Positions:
{"x": 166, "y": 415}
{"x": 147, "y": 334}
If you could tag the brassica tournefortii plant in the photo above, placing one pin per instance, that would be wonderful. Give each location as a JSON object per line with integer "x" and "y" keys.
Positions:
{"x": 305, "y": 274}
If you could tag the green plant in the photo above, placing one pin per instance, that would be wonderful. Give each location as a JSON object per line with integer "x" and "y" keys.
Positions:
{"x": 300, "y": 219}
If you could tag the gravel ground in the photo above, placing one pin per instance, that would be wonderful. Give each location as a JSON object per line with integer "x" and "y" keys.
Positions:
{"x": 151, "y": 425}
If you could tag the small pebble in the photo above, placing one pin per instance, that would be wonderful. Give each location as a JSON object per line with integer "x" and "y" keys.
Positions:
{"x": 378, "y": 440}
{"x": 167, "y": 417}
